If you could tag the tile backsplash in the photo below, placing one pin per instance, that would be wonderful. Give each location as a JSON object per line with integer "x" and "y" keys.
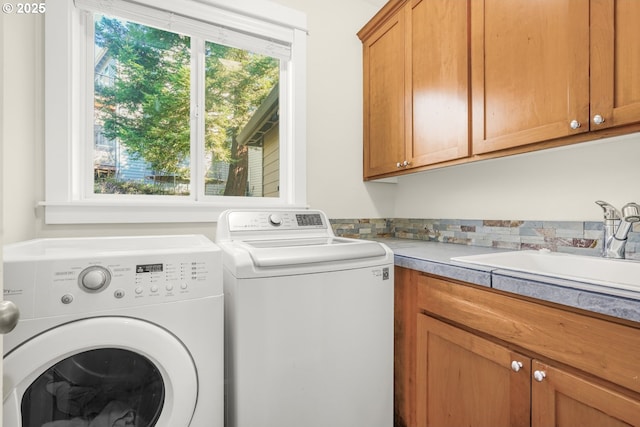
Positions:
{"x": 583, "y": 238}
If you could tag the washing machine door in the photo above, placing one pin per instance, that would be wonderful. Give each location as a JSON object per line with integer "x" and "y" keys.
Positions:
{"x": 98, "y": 372}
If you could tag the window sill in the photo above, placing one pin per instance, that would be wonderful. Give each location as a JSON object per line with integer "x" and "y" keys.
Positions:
{"x": 100, "y": 212}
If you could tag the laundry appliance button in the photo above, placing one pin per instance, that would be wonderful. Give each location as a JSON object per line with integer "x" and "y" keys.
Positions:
{"x": 94, "y": 278}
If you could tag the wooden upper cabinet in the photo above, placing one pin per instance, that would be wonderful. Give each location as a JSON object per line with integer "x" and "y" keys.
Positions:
{"x": 455, "y": 81}
{"x": 440, "y": 81}
{"x": 384, "y": 90}
{"x": 615, "y": 62}
{"x": 530, "y": 71}
{"x": 416, "y": 85}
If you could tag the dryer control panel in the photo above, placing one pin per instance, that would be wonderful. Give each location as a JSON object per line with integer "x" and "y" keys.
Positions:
{"x": 54, "y": 285}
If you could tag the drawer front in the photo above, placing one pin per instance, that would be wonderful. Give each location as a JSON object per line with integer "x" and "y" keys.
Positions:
{"x": 605, "y": 349}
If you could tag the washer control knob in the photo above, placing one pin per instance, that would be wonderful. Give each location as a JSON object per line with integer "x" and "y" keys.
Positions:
{"x": 94, "y": 279}
{"x": 275, "y": 219}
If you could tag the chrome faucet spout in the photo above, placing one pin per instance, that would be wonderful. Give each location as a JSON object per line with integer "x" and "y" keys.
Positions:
{"x": 617, "y": 225}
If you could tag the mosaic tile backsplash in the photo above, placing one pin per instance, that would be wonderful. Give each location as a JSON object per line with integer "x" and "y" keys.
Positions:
{"x": 582, "y": 238}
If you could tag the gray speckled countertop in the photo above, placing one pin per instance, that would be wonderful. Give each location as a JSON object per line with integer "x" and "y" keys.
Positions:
{"x": 435, "y": 258}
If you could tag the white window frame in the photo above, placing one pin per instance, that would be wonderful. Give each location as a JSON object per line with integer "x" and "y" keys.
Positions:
{"x": 67, "y": 198}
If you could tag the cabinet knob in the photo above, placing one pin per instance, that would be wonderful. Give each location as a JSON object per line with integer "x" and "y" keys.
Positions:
{"x": 406, "y": 163}
{"x": 598, "y": 119}
{"x": 516, "y": 366}
{"x": 574, "y": 124}
{"x": 398, "y": 165}
{"x": 539, "y": 375}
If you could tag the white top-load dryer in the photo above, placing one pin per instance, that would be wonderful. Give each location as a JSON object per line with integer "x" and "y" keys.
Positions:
{"x": 114, "y": 331}
{"x": 308, "y": 322}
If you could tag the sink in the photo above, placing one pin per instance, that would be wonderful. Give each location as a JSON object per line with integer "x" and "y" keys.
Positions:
{"x": 611, "y": 273}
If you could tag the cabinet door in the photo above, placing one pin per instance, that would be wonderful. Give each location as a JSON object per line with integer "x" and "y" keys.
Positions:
{"x": 440, "y": 81}
{"x": 615, "y": 62}
{"x": 562, "y": 399}
{"x": 530, "y": 71}
{"x": 465, "y": 380}
{"x": 384, "y": 97}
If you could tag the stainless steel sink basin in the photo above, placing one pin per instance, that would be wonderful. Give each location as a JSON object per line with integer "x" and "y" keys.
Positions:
{"x": 611, "y": 273}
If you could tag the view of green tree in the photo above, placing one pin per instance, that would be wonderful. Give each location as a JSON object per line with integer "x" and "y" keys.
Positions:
{"x": 147, "y": 107}
{"x": 237, "y": 81}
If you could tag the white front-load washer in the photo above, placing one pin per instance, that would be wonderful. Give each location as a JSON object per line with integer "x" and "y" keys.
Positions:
{"x": 114, "y": 331}
{"x": 309, "y": 322}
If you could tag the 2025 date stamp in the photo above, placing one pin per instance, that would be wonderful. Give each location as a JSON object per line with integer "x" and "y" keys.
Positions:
{"x": 24, "y": 8}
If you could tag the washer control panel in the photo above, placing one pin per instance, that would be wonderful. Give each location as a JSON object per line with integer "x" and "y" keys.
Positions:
{"x": 276, "y": 220}
{"x": 49, "y": 287}
{"x": 128, "y": 280}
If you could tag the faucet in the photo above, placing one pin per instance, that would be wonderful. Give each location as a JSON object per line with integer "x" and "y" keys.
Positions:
{"x": 617, "y": 225}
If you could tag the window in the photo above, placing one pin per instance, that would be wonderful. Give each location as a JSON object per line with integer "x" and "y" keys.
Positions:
{"x": 156, "y": 114}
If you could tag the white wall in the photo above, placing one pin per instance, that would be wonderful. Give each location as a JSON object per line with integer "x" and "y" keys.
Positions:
{"x": 334, "y": 110}
{"x": 22, "y": 123}
{"x": 558, "y": 184}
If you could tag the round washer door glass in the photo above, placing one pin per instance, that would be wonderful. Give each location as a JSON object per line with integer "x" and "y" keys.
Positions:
{"x": 103, "y": 371}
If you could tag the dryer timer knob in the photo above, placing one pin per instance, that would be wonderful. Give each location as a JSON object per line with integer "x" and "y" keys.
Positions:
{"x": 94, "y": 279}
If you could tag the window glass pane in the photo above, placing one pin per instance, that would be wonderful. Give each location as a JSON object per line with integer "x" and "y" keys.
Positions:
{"x": 106, "y": 386}
{"x": 242, "y": 141}
{"x": 141, "y": 109}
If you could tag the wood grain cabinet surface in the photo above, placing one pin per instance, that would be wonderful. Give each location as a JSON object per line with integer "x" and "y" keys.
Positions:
{"x": 465, "y": 380}
{"x": 479, "y": 357}
{"x": 547, "y": 70}
{"x": 416, "y": 85}
{"x": 454, "y": 81}
{"x": 615, "y": 62}
{"x": 385, "y": 83}
{"x": 530, "y": 73}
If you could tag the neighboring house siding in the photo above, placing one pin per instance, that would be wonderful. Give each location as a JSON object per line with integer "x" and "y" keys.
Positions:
{"x": 254, "y": 186}
{"x": 271, "y": 163}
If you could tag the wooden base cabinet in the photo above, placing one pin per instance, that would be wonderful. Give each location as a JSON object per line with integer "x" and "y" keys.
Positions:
{"x": 488, "y": 358}
{"x": 562, "y": 399}
{"x": 465, "y": 380}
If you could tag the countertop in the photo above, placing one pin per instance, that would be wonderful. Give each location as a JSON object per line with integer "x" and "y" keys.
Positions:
{"x": 435, "y": 258}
